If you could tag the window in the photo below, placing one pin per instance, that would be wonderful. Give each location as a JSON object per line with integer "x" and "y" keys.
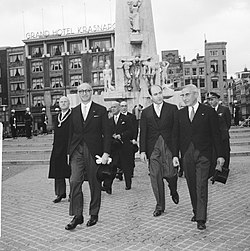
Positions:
{"x": 214, "y": 83}
{"x": 37, "y": 51}
{"x": 97, "y": 78}
{"x": 55, "y": 100}
{"x": 56, "y": 50}
{"x": 16, "y": 58}
{"x": 213, "y": 53}
{"x": 75, "y": 63}
{"x": 107, "y": 59}
{"x": 17, "y": 86}
{"x": 56, "y": 65}
{"x": 187, "y": 71}
{"x": 100, "y": 45}
{"x": 37, "y": 67}
{"x": 75, "y": 80}
{"x": 170, "y": 71}
{"x": 0, "y": 72}
{"x": 75, "y": 48}
{"x": 37, "y": 83}
{"x": 214, "y": 65}
{"x": 223, "y": 52}
{"x": 195, "y": 81}
{"x": 94, "y": 62}
{"x": 224, "y": 66}
{"x": 56, "y": 82}
{"x": 194, "y": 71}
{"x": 187, "y": 81}
{"x": 16, "y": 72}
{"x": 38, "y": 101}
{"x": 201, "y": 71}
{"x": 0, "y": 88}
{"x": 202, "y": 82}
{"x": 101, "y": 61}
{"x": 18, "y": 101}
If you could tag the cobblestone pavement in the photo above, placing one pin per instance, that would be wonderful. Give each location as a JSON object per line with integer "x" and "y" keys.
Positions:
{"x": 30, "y": 221}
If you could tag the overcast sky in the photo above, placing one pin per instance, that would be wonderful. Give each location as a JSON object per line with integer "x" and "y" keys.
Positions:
{"x": 179, "y": 24}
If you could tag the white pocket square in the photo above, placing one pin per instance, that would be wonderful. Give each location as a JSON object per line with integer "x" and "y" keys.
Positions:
{"x": 96, "y": 116}
{"x": 123, "y": 122}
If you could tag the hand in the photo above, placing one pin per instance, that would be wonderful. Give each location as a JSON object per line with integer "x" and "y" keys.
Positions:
{"x": 176, "y": 162}
{"x": 143, "y": 157}
{"x": 220, "y": 163}
{"x": 105, "y": 158}
{"x": 134, "y": 142}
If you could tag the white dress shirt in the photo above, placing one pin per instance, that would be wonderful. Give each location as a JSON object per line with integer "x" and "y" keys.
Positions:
{"x": 158, "y": 108}
{"x": 85, "y": 107}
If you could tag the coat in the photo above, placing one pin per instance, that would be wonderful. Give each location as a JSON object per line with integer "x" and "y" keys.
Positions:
{"x": 203, "y": 132}
{"x": 58, "y": 161}
{"x": 224, "y": 121}
{"x": 150, "y": 130}
{"x": 95, "y": 131}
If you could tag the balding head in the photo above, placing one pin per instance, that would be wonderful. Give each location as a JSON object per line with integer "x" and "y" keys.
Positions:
{"x": 85, "y": 92}
{"x": 190, "y": 94}
{"x": 115, "y": 107}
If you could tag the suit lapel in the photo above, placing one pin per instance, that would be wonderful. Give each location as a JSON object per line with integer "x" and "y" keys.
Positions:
{"x": 151, "y": 114}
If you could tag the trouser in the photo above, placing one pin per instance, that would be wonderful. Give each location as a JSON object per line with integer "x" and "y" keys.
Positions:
{"x": 196, "y": 168}
{"x": 82, "y": 164}
{"x": 60, "y": 187}
{"x": 28, "y": 131}
{"x": 226, "y": 152}
{"x": 161, "y": 167}
{"x": 13, "y": 132}
{"x": 44, "y": 126}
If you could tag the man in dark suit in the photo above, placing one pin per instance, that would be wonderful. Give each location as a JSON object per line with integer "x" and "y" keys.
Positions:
{"x": 121, "y": 147}
{"x": 28, "y": 120}
{"x": 59, "y": 168}
{"x": 198, "y": 129}
{"x": 132, "y": 117}
{"x": 157, "y": 134}
{"x": 89, "y": 136}
{"x": 224, "y": 124}
{"x": 44, "y": 120}
{"x": 13, "y": 124}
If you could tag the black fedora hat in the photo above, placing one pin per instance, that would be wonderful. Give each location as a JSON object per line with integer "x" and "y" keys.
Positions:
{"x": 104, "y": 172}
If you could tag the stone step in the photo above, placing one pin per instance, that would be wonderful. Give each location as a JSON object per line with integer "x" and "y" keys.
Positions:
{"x": 240, "y": 131}
{"x": 239, "y": 143}
{"x": 10, "y": 163}
{"x": 27, "y": 155}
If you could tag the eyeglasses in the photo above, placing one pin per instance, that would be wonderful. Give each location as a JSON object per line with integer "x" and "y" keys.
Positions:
{"x": 85, "y": 91}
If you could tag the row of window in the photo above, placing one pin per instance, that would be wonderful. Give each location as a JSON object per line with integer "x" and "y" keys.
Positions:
{"x": 73, "y": 48}
{"x": 74, "y": 63}
{"x": 216, "y": 53}
{"x": 195, "y": 81}
{"x": 187, "y": 71}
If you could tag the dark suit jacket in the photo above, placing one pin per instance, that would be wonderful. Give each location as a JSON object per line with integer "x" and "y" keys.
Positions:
{"x": 135, "y": 124}
{"x": 203, "y": 132}
{"x": 95, "y": 131}
{"x": 150, "y": 130}
{"x": 224, "y": 121}
{"x": 123, "y": 127}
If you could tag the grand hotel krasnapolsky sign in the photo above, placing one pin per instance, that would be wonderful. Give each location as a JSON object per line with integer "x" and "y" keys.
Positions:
{"x": 70, "y": 31}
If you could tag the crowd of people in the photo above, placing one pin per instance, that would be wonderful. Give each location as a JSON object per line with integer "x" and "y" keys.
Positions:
{"x": 97, "y": 145}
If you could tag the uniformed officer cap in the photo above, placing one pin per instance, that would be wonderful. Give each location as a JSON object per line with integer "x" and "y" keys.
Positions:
{"x": 13, "y": 111}
{"x": 212, "y": 95}
{"x": 43, "y": 109}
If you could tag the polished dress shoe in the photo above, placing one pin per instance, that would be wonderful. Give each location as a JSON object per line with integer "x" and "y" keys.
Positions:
{"x": 108, "y": 190}
{"x": 157, "y": 213}
{"x": 128, "y": 188}
{"x": 92, "y": 221}
{"x": 175, "y": 198}
{"x": 193, "y": 219}
{"x": 78, "y": 219}
{"x": 103, "y": 188}
{"x": 201, "y": 225}
{"x": 59, "y": 198}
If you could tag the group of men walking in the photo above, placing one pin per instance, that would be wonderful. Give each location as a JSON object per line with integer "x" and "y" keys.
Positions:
{"x": 86, "y": 138}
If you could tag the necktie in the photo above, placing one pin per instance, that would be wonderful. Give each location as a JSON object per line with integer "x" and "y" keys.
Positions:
{"x": 116, "y": 119}
{"x": 84, "y": 112}
{"x": 192, "y": 114}
{"x": 158, "y": 110}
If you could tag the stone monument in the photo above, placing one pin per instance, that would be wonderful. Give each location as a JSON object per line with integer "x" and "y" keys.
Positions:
{"x": 136, "y": 63}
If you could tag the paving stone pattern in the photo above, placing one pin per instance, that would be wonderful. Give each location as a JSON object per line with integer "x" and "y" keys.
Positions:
{"x": 30, "y": 221}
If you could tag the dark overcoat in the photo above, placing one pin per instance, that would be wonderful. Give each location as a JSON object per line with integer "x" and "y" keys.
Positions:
{"x": 58, "y": 161}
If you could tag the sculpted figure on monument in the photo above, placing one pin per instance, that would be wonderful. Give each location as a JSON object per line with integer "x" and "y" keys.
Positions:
{"x": 136, "y": 71}
{"x": 107, "y": 78}
{"x": 126, "y": 65}
{"x": 134, "y": 7}
{"x": 149, "y": 71}
{"x": 164, "y": 72}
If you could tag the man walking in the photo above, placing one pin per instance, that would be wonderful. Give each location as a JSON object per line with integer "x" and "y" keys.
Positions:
{"x": 157, "y": 134}
{"x": 13, "y": 124}
{"x": 89, "y": 135}
{"x": 198, "y": 130}
{"x": 59, "y": 168}
{"x": 224, "y": 124}
{"x": 28, "y": 120}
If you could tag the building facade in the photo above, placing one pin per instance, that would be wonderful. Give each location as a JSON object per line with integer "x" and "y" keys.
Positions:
{"x": 56, "y": 65}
